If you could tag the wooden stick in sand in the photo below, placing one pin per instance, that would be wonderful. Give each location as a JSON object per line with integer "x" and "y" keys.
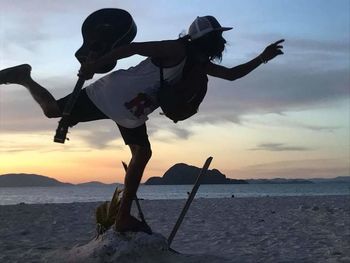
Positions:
{"x": 190, "y": 199}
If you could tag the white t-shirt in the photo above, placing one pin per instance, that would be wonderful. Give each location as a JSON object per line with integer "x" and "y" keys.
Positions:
{"x": 128, "y": 96}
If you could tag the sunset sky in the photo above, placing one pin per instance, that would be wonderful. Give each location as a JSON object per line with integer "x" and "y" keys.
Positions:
{"x": 288, "y": 118}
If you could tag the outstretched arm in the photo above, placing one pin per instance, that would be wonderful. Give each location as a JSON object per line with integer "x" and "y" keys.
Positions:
{"x": 240, "y": 71}
{"x": 165, "y": 50}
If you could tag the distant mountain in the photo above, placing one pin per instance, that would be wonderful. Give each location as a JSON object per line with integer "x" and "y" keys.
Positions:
{"x": 31, "y": 180}
{"x": 23, "y": 180}
{"x": 339, "y": 179}
{"x": 181, "y": 174}
{"x": 185, "y": 174}
{"x": 279, "y": 181}
{"x": 95, "y": 183}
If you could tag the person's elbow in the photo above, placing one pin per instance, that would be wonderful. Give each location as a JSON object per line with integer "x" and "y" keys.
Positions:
{"x": 232, "y": 76}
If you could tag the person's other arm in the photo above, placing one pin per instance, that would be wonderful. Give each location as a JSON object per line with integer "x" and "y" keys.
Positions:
{"x": 242, "y": 70}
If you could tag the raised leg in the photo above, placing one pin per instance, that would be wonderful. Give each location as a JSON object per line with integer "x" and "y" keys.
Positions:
{"x": 21, "y": 75}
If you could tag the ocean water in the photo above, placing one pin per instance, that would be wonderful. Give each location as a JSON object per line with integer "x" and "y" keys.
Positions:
{"x": 31, "y": 195}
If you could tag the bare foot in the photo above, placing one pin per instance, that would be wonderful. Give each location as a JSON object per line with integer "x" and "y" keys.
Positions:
{"x": 15, "y": 75}
{"x": 131, "y": 224}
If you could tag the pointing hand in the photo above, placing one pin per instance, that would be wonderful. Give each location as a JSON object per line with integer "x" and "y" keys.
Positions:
{"x": 272, "y": 51}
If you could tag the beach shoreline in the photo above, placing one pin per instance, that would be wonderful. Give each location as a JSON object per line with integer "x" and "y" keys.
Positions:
{"x": 250, "y": 229}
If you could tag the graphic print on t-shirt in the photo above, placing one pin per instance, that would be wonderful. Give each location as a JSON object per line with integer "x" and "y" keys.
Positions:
{"x": 140, "y": 105}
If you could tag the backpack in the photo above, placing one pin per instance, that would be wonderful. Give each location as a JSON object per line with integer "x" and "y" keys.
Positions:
{"x": 181, "y": 100}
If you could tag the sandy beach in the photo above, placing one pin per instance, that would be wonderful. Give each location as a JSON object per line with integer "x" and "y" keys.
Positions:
{"x": 267, "y": 229}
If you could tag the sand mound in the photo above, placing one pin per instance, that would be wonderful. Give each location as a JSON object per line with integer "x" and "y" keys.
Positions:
{"x": 128, "y": 247}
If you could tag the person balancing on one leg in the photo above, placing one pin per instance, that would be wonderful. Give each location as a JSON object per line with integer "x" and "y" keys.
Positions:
{"x": 128, "y": 96}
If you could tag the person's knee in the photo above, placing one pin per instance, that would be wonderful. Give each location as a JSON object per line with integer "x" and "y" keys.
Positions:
{"x": 144, "y": 152}
{"x": 52, "y": 112}
{"x": 141, "y": 153}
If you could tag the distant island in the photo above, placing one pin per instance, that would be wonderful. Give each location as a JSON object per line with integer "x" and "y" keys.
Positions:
{"x": 279, "y": 181}
{"x": 35, "y": 180}
{"x": 182, "y": 173}
{"x": 338, "y": 179}
{"x": 179, "y": 174}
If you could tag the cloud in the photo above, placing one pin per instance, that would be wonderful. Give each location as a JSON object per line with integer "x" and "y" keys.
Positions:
{"x": 17, "y": 36}
{"x": 279, "y": 147}
{"x": 41, "y": 142}
{"x": 99, "y": 134}
{"x": 309, "y": 168}
{"x": 319, "y": 128}
{"x": 301, "y": 44}
{"x": 181, "y": 133}
{"x": 273, "y": 89}
{"x": 286, "y": 122}
{"x": 36, "y": 29}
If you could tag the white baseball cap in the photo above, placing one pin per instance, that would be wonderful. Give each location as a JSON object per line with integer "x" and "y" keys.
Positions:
{"x": 203, "y": 25}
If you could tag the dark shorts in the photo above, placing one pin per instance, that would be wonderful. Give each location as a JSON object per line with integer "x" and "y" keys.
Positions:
{"x": 85, "y": 110}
